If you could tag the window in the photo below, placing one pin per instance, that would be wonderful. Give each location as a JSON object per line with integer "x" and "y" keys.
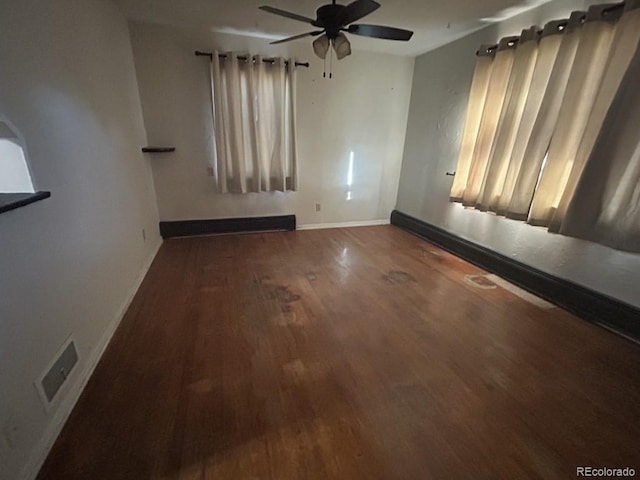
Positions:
{"x": 254, "y": 123}
{"x": 556, "y": 143}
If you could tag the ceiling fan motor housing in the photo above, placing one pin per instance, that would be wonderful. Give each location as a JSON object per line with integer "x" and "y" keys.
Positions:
{"x": 328, "y": 17}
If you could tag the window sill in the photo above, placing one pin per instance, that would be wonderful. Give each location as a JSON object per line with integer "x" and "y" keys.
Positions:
{"x": 11, "y": 201}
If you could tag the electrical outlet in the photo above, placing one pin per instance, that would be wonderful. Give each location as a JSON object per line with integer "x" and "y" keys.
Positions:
{"x": 317, "y": 207}
{"x": 210, "y": 171}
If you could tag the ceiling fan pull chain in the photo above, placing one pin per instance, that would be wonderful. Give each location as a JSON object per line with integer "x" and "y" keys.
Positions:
{"x": 324, "y": 71}
{"x": 331, "y": 63}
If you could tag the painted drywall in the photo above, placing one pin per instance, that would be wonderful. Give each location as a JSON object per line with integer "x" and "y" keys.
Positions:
{"x": 362, "y": 109}
{"x": 438, "y": 102}
{"x": 68, "y": 264}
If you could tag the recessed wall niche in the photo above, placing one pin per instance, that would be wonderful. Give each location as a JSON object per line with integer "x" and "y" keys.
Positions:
{"x": 15, "y": 176}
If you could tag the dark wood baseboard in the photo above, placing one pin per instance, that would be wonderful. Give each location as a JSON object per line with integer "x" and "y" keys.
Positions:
{"x": 583, "y": 302}
{"x": 189, "y": 228}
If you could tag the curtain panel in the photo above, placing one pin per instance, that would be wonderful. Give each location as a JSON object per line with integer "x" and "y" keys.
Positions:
{"x": 557, "y": 143}
{"x": 475, "y": 107}
{"x": 582, "y": 86}
{"x": 254, "y": 119}
{"x": 624, "y": 45}
{"x": 548, "y": 48}
{"x": 519, "y": 83}
{"x": 545, "y": 123}
{"x": 497, "y": 89}
{"x": 606, "y": 205}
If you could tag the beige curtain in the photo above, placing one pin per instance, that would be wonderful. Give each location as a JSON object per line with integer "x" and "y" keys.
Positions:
{"x": 475, "y": 107}
{"x": 545, "y": 123}
{"x": 582, "y": 88}
{"x": 626, "y": 41}
{"x": 515, "y": 98}
{"x": 547, "y": 52}
{"x": 558, "y": 141}
{"x": 497, "y": 89}
{"x": 606, "y": 204}
{"x": 254, "y": 124}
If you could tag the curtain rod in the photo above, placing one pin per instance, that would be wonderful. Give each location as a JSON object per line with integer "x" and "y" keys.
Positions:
{"x": 240, "y": 57}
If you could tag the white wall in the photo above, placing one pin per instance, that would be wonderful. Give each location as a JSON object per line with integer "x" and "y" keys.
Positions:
{"x": 68, "y": 264}
{"x": 364, "y": 109}
{"x": 440, "y": 91}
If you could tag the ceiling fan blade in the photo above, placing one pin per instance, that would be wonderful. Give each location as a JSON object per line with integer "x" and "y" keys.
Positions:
{"x": 296, "y": 37}
{"x": 284, "y": 13}
{"x": 356, "y": 10}
{"x": 379, "y": 31}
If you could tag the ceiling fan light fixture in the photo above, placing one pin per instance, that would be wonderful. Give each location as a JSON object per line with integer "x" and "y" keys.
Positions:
{"x": 321, "y": 46}
{"x": 341, "y": 46}
{"x": 333, "y": 19}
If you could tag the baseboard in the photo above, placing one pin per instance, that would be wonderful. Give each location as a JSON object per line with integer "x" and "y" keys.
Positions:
{"x": 588, "y": 304}
{"x": 43, "y": 447}
{"x": 190, "y": 228}
{"x": 366, "y": 223}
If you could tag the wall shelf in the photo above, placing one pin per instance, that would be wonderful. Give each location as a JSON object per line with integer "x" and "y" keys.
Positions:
{"x": 158, "y": 149}
{"x": 11, "y": 201}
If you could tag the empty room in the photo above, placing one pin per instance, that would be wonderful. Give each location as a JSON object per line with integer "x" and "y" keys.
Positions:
{"x": 316, "y": 239}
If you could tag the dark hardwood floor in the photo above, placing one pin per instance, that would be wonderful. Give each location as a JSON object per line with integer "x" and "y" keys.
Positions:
{"x": 346, "y": 354}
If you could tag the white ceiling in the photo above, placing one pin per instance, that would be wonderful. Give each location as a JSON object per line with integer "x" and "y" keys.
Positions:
{"x": 435, "y": 22}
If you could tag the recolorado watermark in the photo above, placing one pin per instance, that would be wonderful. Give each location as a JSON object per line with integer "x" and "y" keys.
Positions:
{"x": 604, "y": 472}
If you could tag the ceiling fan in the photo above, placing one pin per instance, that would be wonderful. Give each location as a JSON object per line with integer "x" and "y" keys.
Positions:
{"x": 335, "y": 19}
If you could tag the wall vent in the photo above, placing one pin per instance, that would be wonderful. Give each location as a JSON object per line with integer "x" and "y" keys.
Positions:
{"x": 57, "y": 373}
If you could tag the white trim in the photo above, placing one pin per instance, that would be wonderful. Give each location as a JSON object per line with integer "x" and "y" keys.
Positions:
{"x": 365, "y": 223}
{"x": 42, "y": 448}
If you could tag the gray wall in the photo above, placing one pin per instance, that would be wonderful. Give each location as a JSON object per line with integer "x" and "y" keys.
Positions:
{"x": 68, "y": 264}
{"x": 441, "y": 83}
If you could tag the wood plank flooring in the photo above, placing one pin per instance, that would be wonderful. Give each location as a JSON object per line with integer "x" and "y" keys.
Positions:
{"x": 356, "y": 353}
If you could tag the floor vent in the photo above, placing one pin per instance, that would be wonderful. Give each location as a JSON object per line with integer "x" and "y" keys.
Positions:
{"x": 523, "y": 294}
{"x": 480, "y": 281}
